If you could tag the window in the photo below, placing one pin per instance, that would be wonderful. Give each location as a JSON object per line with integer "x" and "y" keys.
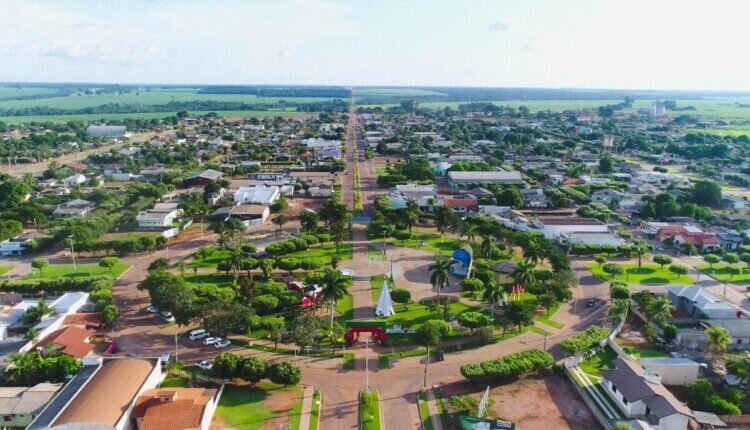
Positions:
{"x": 7, "y": 418}
{"x": 624, "y": 400}
{"x": 614, "y": 389}
{"x": 739, "y": 340}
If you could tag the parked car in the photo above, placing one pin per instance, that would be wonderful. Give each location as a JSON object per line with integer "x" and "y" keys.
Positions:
{"x": 222, "y": 344}
{"x": 591, "y": 303}
{"x": 211, "y": 340}
{"x": 152, "y": 309}
{"x": 205, "y": 365}
{"x": 440, "y": 355}
{"x": 166, "y": 316}
{"x": 165, "y": 356}
{"x": 199, "y": 334}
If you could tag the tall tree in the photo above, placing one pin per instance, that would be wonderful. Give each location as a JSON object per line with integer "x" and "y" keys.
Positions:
{"x": 524, "y": 272}
{"x": 440, "y": 274}
{"x": 718, "y": 340}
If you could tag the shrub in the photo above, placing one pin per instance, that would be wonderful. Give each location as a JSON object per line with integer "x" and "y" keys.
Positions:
{"x": 670, "y": 332}
{"x": 472, "y": 284}
{"x": 284, "y": 373}
{"x": 56, "y": 285}
{"x": 587, "y": 339}
{"x": 311, "y": 239}
{"x": 265, "y": 303}
{"x": 300, "y": 244}
{"x": 513, "y": 364}
{"x": 651, "y": 334}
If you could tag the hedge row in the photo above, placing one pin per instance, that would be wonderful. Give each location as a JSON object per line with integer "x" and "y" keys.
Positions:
{"x": 123, "y": 246}
{"x": 57, "y": 285}
{"x": 513, "y": 364}
{"x": 585, "y": 340}
{"x": 297, "y": 244}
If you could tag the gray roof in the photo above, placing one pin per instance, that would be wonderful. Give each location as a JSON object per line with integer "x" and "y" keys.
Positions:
{"x": 107, "y": 130}
{"x": 701, "y": 298}
{"x": 492, "y": 176}
{"x": 627, "y": 376}
{"x": 26, "y": 400}
{"x": 207, "y": 174}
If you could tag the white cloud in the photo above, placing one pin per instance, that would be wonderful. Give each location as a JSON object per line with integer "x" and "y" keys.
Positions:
{"x": 499, "y": 26}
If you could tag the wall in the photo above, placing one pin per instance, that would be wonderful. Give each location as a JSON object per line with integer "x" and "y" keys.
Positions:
{"x": 152, "y": 381}
{"x": 593, "y": 408}
{"x": 632, "y": 408}
{"x": 208, "y": 413}
{"x": 674, "y": 422}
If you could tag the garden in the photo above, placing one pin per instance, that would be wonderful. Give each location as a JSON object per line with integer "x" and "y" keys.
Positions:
{"x": 646, "y": 274}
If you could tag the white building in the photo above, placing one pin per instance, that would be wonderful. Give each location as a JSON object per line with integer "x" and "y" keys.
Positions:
{"x": 673, "y": 371}
{"x": 457, "y": 179}
{"x": 20, "y": 405}
{"x": 258, "y": 194}
{"x": 640, "y": 395}
{"x": 597, "y": 239}
{"x": 150, "y": 220}
{"x": 552, "y": 228}
{"x": 74, "y": 180}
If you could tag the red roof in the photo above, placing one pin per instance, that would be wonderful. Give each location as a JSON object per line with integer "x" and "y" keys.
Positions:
{"x": 461, "y": 203}
{"x": 671, "y": 230}
{"x": 570, "y": 221}
{"x": 699, "y": 239}
{"x": 70, "y": 340}
{"x": 573, "y": 181}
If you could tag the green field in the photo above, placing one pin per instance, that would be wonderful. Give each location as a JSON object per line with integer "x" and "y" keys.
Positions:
{"x": 147, "y": 115}
{"x": 604, "y": 359}
{"x": 248, "y": 408}
{"x": 638, "y": 353}
{"x": 10, "y": 92}
{"x": 66, "y": 270}
{"x": 647, "y": 274}
{"x": 315, "y": 413}
{"x": 5, "y": 269}
{"x": 394, "y": 92}
{"x": 733, "y": 131}
{"x": 143, "y": 97}
{"x": 369, "y": 407}
{"x": 323, "y": 253}
{"x": 721, "y": 274}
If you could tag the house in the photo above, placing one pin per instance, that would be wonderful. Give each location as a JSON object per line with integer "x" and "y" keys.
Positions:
{"x": 71, "y": 340}
{"x": 738, "y": 328}
{"x": 101, "y": 396}
{"x": 77, "y": 207}
{"x": 321, "y": 144}
{"x": 149, "y": 220}
{"x": 551, "y": 228}
{"x": 597, "y": 239}
{"x": 258, "y": 194}
{"x": 534, "y": 198}
{"x": 459, "y": 179}
{"x": 660, "y": 180}
{"x": 704, "y": 242}
{"x": 673, "y": 371}
{"x": 313, "y": 178}
{"x": 250, "y": 214}
{"x": 20, "y": 405}
{"x": 462, "y": 204}
{"x": 696, "y": 302}
{"x": 729, "y": 239}
{"x": 480, "y": 192}
{"x": 319, "y": 192}
{"x": 203, "y": 178}
{"x": 107, "y": 131}
{"x": 606, "y": 196}
{"x": 175, "y": 408}
{"x": 17, "y": 245}
{"x": 732, "y": 202}
{"x": 640, "y": 395}
{"x": 425, "y": 196}
{"x": 74, "y": 180}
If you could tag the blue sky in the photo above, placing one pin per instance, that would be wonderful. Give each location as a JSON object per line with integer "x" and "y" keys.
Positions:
{"x": 663, "y": 44}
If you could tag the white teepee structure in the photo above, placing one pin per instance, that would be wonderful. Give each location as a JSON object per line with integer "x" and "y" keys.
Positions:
{"x": 385, "y": 304}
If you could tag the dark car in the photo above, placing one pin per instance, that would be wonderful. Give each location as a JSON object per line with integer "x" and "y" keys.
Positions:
{"x": 440, "y": 355}
{"x": 591, "y": 303}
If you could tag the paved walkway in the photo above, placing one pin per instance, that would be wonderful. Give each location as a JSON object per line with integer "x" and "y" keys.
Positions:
{"x": 432, "y": 408}
{"x": 306, "y": 414}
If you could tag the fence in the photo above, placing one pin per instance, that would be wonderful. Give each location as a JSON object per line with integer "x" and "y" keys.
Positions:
{"x": 735, "y": 419}
{"x": 582, "y": 394}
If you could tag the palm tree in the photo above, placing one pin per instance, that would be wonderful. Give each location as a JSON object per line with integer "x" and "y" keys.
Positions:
{"x": 640, "y": 251}
{"x": 718, "y": 340}
{"x": 334, "y": 288}
{"x": 471, "y": 232}
{"x": 524, "y": 273}
{"x": 660, "y": 311}
{"x": 533, "y": 251}
{"x": 440, "y": 270}
{"x": 236, "y": 262}
{"x": 492, "y": 294}
{"x": 488, "y": 246}
{"x": 739, "y": 366}
{"x": 35, "y": 314}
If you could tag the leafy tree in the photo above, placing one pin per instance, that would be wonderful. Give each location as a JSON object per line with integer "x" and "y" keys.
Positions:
{"x": 280, "y": 205}
{"x": 473, "y": 320}
{"x": 547, "y": 301}
{"x": 40, "y": 264}
{"x": 289, "y": 264}
{"x": 730, "y": 258}
{"x": 226, "y": 365}
{"x": 443, "y": 218}
{"x": 659, "y": 311}
{"x": 432, "y": 332}
{"x": 309, "y": 220}
{"x": 253, "y": 369}
{"x": 266, "y": 303}
{"x": 621, "y": 425}
{"x": 284, "y": 373}
{"x": 488, "y": 247}
{"x": 195, "y": 206}
{"x": 110, "y": 315}
{"x": 605, "y": 165}
{"x": 279, "y": 220}
{"x": 472, "y": 284}
{"x": 266, "y": 266}
{"x": 711, "y": 259}
{"x": 305, "y": 330}
{"x": 745, "y": 258}
{"x": 401, "y": 295}
{"x": 519, "y": 315}
{"x": 159, "y": 265}
{"x": 275, "y": 327}
{"x": 34, "y": 314}
{"x": 706, "y": 193}
{"x": 739, "y": 365}
{"x": 510, "y": 196}
{"x": 662, "y": 260}
{"x": 109, "y": 263}
{"x": 678, "y": 270}
{"x": 613, "y": 270}
{"x": 600, "y": 260}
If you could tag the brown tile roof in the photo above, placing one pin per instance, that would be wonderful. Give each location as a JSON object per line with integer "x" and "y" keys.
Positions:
{"x": 70, "y": 340}
{"x": 699, "y": 238}
{"x": 570, "y": 221}
{"x": 108, "y": 393}
{"x": 173, "y": 408}
{"x": 86, "y": 319}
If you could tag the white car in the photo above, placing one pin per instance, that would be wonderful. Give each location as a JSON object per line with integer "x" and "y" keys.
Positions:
{"x": 222, "y": 344}
{"x": 205, "y": 365}
{"x": 211, "y": 340}
{"x": 152, "y": 309}
{"x": 166, "y": 316}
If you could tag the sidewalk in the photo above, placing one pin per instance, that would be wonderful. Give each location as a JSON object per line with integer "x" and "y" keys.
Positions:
{"x": 306, "y": 414}
{"x": 437, "y": 423}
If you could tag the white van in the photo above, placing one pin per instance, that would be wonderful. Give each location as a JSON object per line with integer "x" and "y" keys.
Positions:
{"x": 198, "y": 334}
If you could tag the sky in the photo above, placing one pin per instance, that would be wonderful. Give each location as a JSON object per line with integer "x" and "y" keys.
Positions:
{"x": 633, "y": 44}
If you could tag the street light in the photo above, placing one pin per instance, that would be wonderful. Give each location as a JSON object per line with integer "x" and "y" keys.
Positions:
{"x": 367, "y": 364}
{"x": 72, "y": 253}
{"x": 426, "y": 362}
{"x": 384, "y": 234}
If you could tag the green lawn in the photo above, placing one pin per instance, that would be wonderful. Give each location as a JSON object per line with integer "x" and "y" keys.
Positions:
{"x": 66, "y": 270}
{"x": 604, "y": 359}
{"x": 202, "y": 278}
{"x": 323, "y": 253}
{"x": 647, "y": 274}
{"x": 638, "y": 353}
{"x": 720, "y": 273}
{"x": 345, "y": 307}
{"x": 217, "y": 257}
{"x": 432, "y": 243}
{"x": 424, "y": 411}
{"x": 5, "y": 269}
{"x": 369, "y": 407}
{"x": 246, "y": 408}
{"x": 375, "y": 254}
{"x": 545, "y": 318}
{"x": 316, "y": 407}
{"x": 174, "y": 381}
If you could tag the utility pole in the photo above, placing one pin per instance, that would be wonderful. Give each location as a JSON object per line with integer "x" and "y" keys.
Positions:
{"x": 545, "y": 340}
{"x": 72, "y": 253}
{"x": 367, "y": 364}
{"x": 426, "y": 362}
